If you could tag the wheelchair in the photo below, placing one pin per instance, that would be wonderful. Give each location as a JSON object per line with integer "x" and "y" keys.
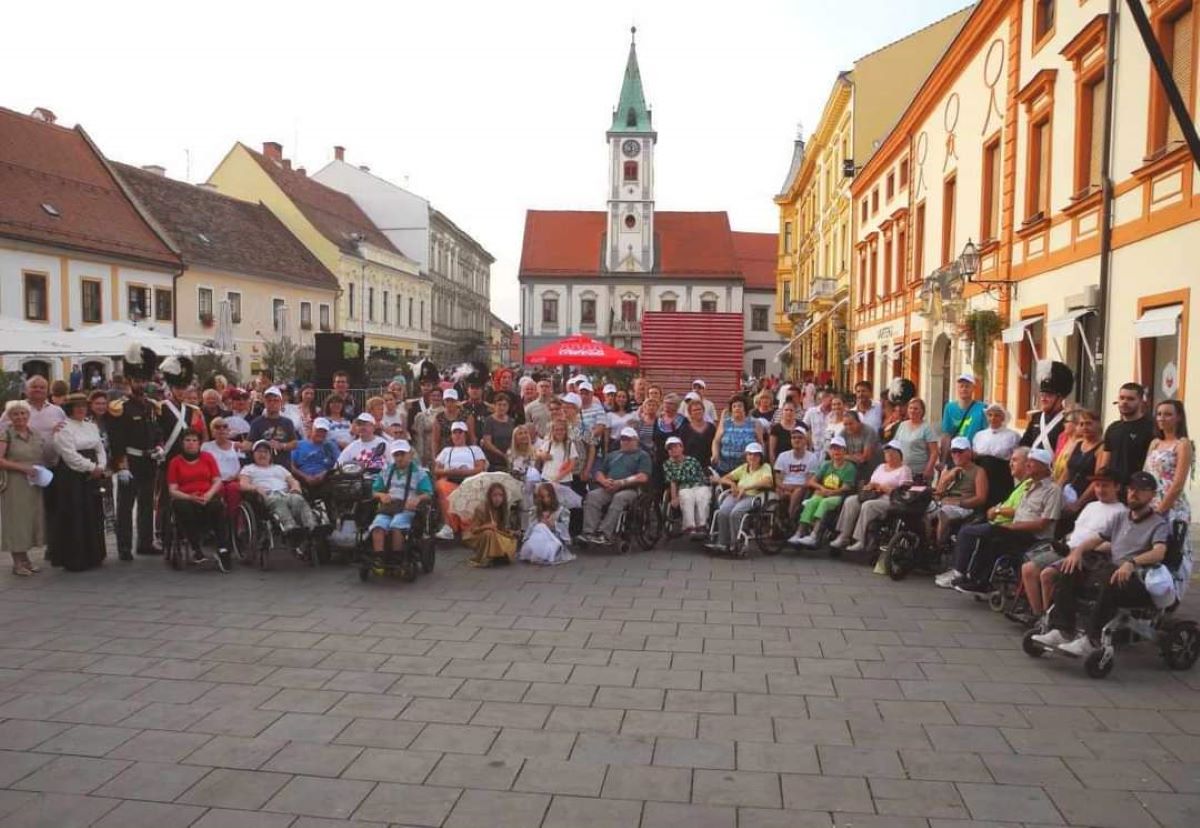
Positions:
{"x": 416, "y": 556}
{"x": 256, "y": 533}
{"x": 901, "y": 534}
{"x": 1178, "y": 639}
{"x": 177, "y": 553}
{"x": 764, "y": 525}
{"x": 641, "y": 523}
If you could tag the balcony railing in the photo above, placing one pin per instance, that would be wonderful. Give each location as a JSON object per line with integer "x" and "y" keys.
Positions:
{"x": 626, "y": 326}
{"x": 823, "y": 288}
{"x": 797, "y": 308}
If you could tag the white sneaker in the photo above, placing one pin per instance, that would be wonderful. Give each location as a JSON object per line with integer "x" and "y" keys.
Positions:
{"x": 946, "y": 579}
{"x": 445, "y": 533}
{"x": 857, "y": 546}
{"x": 840, "y": 542}
{"x": 809, "y": 541}
{"x": 1054, "y": 638}
{"x": 1081, "y": 647}
{"x": 796, "y": 539}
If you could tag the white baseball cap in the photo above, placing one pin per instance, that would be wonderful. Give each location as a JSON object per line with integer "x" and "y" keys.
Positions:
{"x": 839, "y": 440}
{"x": 629, "y": 432}
{"x": 699, "y": 382}
{"x": 753, "y": 448}
{"x": 610, "y": 389}
{"x": 1042, "y": 456}
{"x": 365, "y": 418}
{"x": 572, "y": 399}
{"x": 398, "y": 446}
{"x": 260, "y": 444}
{"x": 273, "y": 392}
{"x": 459, "y": 425}
{"x": 321, "y": 423}
{"x": 586, "y": 386}
{"x": 967, "y": 377}
{"x": 691, "y": 395}
{"x": 960, "y": 444}
{"x": 449, "y": 394}
{"x": 674, "y": 441}
{"x": 895, "y": 445}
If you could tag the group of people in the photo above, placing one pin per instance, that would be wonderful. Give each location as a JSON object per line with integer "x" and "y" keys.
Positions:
{"x": 583, "y": 453}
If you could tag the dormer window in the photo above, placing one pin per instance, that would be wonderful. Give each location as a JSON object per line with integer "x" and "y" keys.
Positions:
{"x": 631, "y": 117}
{"x": 631, "y": 171}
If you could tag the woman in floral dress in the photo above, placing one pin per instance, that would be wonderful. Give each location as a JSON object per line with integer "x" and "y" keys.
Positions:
{"x": 1170, "y": 460}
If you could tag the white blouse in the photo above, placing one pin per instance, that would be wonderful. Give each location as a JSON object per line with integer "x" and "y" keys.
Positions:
{"x": 75, "y": 437}
{"x": 995, "y": 443}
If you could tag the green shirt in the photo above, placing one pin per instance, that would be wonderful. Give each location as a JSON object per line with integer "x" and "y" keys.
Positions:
{"x": 685, "y": 472}
{"x": 1012, "y": 501}
{"x": 621, "y": 464}
{"x": 846, "y": 474}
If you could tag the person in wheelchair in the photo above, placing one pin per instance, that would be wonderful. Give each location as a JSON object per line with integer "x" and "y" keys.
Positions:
{"x": 367, "y": 450}
{"x": 687, "y": 486}
{"x": 979, "y": 546}
{"x": 398, "y": 492}
{"x": 621, "y": 475}
{"x": 747, "y": 484}
{"x": 194, "y": 482}
{"x": 795, "y": 467}
{"x": 280, "y": 493}
{"x": 1040, "y": 573}
{"x": 1135, "y": 540}
{"x": 313, "y": 459}
{"x": 871, "y": 504}
{"x": 833, "y": 481}
{"x": 960, "y": 492}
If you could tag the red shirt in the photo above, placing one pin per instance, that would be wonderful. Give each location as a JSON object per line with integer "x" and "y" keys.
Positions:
{"x": 192, "y": 478}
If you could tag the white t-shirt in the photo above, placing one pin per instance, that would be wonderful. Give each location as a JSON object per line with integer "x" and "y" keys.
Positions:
{"x": 292, "y": 412}
{"x": 364, "y": 453}
{"x": 239, "y": 426}
{"x": 795, "y": 470}
{"x": 339, "y": 432}
{"x": 1094, "y": 519}
{"x": 273, "y": 478}
{"x": 552, "y": 469}
{"x": 460, "y": 457}
{"x": 229, "y": 461}
{"x": 399, "y": 417}
{"x": 616, "y": 421}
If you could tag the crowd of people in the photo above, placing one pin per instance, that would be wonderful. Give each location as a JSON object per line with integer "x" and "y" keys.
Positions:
{"x": 584, "y": 449}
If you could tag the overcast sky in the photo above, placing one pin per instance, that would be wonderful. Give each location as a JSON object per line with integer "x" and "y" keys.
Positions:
{"x": 486, "y": 108}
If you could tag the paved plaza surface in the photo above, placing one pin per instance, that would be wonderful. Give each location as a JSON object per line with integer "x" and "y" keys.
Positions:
{"x": 660, "y": 689}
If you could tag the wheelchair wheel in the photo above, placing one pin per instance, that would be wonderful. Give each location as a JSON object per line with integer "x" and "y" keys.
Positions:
{"x": 1181, "y": 645}
{"x": 773, "y": 529}
{"x": 407, "y": 570}
{"x": 997, "y": 599}
{"x": 428, "y": 554}
{"x": 364, "y": 572}
{"x": 650, "y": 525}
{"x": 902, "y": 554}
{"x": 244, "y": 534}
{"x": 1031, "y": 647}
{"x": 1099, "y": 663}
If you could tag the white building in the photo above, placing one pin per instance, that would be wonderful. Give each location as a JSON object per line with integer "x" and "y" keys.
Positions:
{"x": 459, "y": 267}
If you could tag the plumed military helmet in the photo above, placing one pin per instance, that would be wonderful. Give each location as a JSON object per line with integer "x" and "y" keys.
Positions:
{"x": 424, "y": 370}
{"x": 140, "y": 362}
{"x": 178, "y": 371}
{"x": 901, "y": 390}
{"x": 1057, "y": 379}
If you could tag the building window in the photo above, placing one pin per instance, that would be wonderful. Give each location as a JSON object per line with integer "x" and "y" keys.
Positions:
{"x": 1160, "y": 364}
{"x": 787, "y": 237}
{"x": 1176, "y": 35}
{"x": 919, "y": 242}
{"x": 371, "y": 304}
{"x": 421, "y": 318}
{"x": 1027, "y": 360}
{"x": 587, "y": 311}
{"x": 629, "y": 312}
{"x": 235, "y": 306}
{"x": 204, "y": 304}
{"x": 787, "y": 296}
{"x": 903, "y": 173}
{"x": 865, "y": 208}
{"x": 891, "y": 186}
{"x": 386, "y": 310}
{"x": 758, "y": 317}
{"x": 138, "y": 301}
{"x": 164, "y": 304}
{"x": 278, "y": 307}
{"x": 37, "y": 303}
{"x": 875, "y": 201}
{"x": 324, "y": 316}
{"x": 668, "y": 305}
{"x": 549, "y": 310}
{"x": 631, "y": 171}
{"x": 873, "y": 284}
{"x": 901, "y": 257}
{"x": 863, "y": 298}
{"x": 89, "y": 300}
{"x": 1089, "y": 144}
{"x": 708, "y": 304}
{"x": 410, "y": 310}
{"x": 1043, "y": 20}
{"x": 350, "y": 301}
{"x": 1037, "y": 187}
{"x": 758, "y": 367}
{"x": 306, "y": 316}
{"x": 949, "y": 193}
{"x": 989, "y": 211}
{"x": 887, "y": 267}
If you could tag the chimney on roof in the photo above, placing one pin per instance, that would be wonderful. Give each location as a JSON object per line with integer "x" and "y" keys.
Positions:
{"x": 287, "y": 163}
{"x": 43, "y": 114}
{"x": 302, "y": 171}
{"x": 157, "y": 169}
{"x": 339, "y": 153}
{"x": 364, "y": 168}
{"x": 273, "y": 150}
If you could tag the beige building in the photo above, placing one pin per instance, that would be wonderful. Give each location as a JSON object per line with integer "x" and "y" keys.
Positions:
{"x": 240, "y": 254}
{"x": 816, "y": 230}
{"x": 1004, "y": 146}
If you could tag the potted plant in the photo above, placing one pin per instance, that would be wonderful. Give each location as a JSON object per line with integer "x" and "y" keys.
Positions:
{"x": 206, "y": 319}
{"x": 981, "y": 328}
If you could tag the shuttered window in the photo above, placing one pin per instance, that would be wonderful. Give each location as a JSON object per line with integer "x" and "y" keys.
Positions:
{"x": 1181, "y": 70}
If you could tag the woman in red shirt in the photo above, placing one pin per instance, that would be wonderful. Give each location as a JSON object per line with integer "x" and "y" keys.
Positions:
{"x": 194, "y": 480}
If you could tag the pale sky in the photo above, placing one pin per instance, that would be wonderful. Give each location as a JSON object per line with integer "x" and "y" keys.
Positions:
{"x": 486, "y": 108}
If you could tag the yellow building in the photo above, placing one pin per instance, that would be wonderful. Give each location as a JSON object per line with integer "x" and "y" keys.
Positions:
{"x": 815, "y": 220}
{"x": 383, "y": 294}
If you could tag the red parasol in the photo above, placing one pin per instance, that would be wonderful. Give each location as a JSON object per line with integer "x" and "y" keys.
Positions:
{"x": 581, "y": 350}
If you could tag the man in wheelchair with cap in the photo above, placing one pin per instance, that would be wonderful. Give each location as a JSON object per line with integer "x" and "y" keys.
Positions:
{"x": 399, "y": 491}
{"x": 1114, "y": 561}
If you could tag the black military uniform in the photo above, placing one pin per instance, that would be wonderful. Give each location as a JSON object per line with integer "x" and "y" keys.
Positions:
{"x": 133, "y": 436}
{"x": 424, "y": 372}
{"x": 1044, "y": 428}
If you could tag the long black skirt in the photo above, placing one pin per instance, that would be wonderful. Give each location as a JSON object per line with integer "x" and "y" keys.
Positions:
{"x": 77, "y": 542}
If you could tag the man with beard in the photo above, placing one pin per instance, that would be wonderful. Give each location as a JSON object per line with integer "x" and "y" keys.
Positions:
{"x": 1127, "y": 440}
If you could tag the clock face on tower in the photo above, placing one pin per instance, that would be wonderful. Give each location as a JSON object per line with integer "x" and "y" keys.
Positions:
{"x": 631, "y": 148}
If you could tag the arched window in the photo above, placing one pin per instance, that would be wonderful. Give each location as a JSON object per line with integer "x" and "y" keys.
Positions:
{"x": 631, "y": 171}
{"x": 668, "y": 302}
{"x": 708, "y": 303}
{"x": 629, "y": 308}
{"x": 587, "y": 309}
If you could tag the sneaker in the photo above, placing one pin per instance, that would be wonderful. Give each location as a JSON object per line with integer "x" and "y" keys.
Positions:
{"x": 857, "y": 546}
{"x": 809, "y": 541}
{"x": 797, "y": 539}
{"x": 718, "y": 548}
{"x": 967, "y": 586}
{"x": 445, "y": 533}
{"x": 1054, "y": 638}
{"x": 1081, "y": 647}
{"x": 197, "y": 554}
{"x": 223, "y": 560}
{"x": 947, "y": 578}
{"x": 841, "y": 542}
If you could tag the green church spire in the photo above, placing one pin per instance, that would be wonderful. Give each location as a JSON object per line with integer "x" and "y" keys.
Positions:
{"x": 632, "y": 114}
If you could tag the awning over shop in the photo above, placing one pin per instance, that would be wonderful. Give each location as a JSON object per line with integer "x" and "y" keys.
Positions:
{"x": 812, "y": 323}
{"x": 1016, "y": 333}
{"x": 901, "y": 347}
{"x": 1064, "y": 325}
{"x": 1158, "y": 322}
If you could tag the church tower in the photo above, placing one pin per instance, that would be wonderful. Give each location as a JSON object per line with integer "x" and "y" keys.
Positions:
{"x": 631, "y": 140}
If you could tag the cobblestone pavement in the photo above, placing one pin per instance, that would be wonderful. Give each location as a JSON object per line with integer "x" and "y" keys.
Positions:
{"x": 661, "y": 689}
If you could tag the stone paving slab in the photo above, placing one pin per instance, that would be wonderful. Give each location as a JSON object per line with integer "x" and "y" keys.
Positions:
{"x": 657, "y": 689}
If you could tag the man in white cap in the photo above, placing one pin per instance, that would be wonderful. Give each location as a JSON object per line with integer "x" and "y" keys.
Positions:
{"x": 366, "y": 450}
{"x": 280, "y": 492}
{"x": 398, "y": 491}
{"x": 1036, "y": 515}
{"x": 279, "y": 431}
{"x": 963, "y": 416}
{"x": 314, "y": 458}
{"x": 710, "y": 410}
{"x": 620, "y": 476}
{"x": 592, "y": 416}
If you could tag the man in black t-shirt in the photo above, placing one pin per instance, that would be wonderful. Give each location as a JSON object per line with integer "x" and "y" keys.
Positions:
{"x": 275, "y": 428}
{"x": 1127, "y": 440}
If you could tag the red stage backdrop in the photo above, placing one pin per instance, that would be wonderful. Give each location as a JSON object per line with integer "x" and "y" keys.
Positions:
{"x": 678, "y": 347}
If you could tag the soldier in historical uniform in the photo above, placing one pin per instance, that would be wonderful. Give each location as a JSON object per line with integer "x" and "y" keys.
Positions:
{"x": 1047, "y": 423}
{"x": 426, "y": 378}
{"x": 133, "y": 439}
{"x": 175, "y": 416}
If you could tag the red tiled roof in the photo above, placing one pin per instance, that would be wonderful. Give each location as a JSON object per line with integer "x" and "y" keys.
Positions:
{"x": 42, "y": 163}
{"x": 569, "y": 243}
{"x": 214, "y": 230}
{"x": 334, "y": 214}
{"x": 757, "y": 256}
